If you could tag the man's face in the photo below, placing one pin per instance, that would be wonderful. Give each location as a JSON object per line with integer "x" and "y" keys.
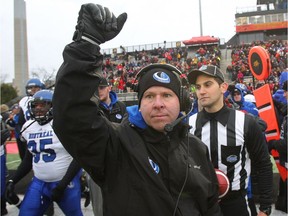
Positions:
{"x": 237, "y": 96}
{"x": 103, "y": 92}
{"x": 159, "y": 106}
{"x": 16, "y": 110}
{"x": 41, "y": 108}
{"x": 210, "y": 93}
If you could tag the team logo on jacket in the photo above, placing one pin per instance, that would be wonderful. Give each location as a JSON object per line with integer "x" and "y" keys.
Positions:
{"x": 118, "y": 116}
{"x": 154, "y": 166}
{"x": 232, "y": 158}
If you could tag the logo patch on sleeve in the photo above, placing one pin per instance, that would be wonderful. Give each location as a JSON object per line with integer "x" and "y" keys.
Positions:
{"x": 154, "y": 166}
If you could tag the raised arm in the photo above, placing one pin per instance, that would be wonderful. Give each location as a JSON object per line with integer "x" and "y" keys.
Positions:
{"x": 75, "y": 104}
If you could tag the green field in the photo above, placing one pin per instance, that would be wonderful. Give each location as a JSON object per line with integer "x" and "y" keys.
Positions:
{"x": 12, "y": 161}
{"x": 275, "y": 169}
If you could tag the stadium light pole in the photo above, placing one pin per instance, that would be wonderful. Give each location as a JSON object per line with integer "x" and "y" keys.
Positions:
{"x": 200, "y": 16}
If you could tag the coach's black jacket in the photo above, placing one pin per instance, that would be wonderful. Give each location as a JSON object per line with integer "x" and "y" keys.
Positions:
{"x": 140, "y": 171}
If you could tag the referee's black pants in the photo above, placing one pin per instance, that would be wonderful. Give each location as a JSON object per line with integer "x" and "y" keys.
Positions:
{"x": 235, "y": 203}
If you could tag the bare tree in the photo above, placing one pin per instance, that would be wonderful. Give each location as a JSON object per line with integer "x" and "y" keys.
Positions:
{"x": 47, "y": 77}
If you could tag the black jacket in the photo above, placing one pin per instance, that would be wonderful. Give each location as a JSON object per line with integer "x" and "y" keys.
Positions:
{"x": 140, "y": 171}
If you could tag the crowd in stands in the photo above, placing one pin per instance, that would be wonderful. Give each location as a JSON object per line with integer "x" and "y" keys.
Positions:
{"x": 121, "y": 71}
{"x": 239, "y": 68}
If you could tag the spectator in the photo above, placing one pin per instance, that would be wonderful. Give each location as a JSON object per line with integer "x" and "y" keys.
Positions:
{"x": 4, "y": 112}
{"x": 237, "y": 95}
{"x": 14, "y": 123}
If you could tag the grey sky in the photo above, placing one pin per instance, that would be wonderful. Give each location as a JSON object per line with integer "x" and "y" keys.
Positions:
{"x": 50, "y": 25}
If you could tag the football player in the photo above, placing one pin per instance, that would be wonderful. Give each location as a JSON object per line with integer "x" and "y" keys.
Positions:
{"x": 53, "y": 167}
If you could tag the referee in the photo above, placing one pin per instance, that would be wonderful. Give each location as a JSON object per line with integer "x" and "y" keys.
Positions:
{"x": 235, "y": 141}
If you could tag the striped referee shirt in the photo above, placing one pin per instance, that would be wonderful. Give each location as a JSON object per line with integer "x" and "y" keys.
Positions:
{"x": 235, "y": 142}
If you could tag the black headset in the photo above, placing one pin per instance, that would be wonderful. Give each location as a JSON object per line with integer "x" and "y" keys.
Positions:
{"x": 184, "y": 96}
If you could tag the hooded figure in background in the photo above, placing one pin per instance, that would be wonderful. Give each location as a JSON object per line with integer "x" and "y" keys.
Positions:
{"x": 237, "y": 96}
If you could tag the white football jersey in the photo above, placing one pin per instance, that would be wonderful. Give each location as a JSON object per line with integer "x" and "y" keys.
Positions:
{"x": 23, "y": 103}
{"x": 50, "y": 159}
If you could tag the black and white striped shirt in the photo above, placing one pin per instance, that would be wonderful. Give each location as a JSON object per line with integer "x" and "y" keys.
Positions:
{"x": 235, "y": 143}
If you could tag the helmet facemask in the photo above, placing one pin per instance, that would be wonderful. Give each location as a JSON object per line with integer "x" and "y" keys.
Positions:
{"x": 41, "y": 111}
{"x": 31, "y": 90}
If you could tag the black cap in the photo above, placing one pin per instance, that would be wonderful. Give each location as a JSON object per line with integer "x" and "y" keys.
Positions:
{"x": 103, "y": 82}
{"x": 158, "y": 75}
{"x": 210, "y": 70}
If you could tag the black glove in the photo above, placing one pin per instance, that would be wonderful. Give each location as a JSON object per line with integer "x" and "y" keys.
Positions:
{"x": 10, "y": 194}
{"x": 86, "y": 195}
{"x": 97, "y": 24}
{"x": 85, "y": 191}
{"x": 57, "y": 193}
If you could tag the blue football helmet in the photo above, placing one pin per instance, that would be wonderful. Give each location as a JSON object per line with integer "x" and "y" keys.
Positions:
{"x": 34, "y": 82}
{"x": 40, "y": 107}
{"x": 242, "y": 87}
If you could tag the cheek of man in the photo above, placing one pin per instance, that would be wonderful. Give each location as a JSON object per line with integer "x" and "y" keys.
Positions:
{"x": 41, "y": 109}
